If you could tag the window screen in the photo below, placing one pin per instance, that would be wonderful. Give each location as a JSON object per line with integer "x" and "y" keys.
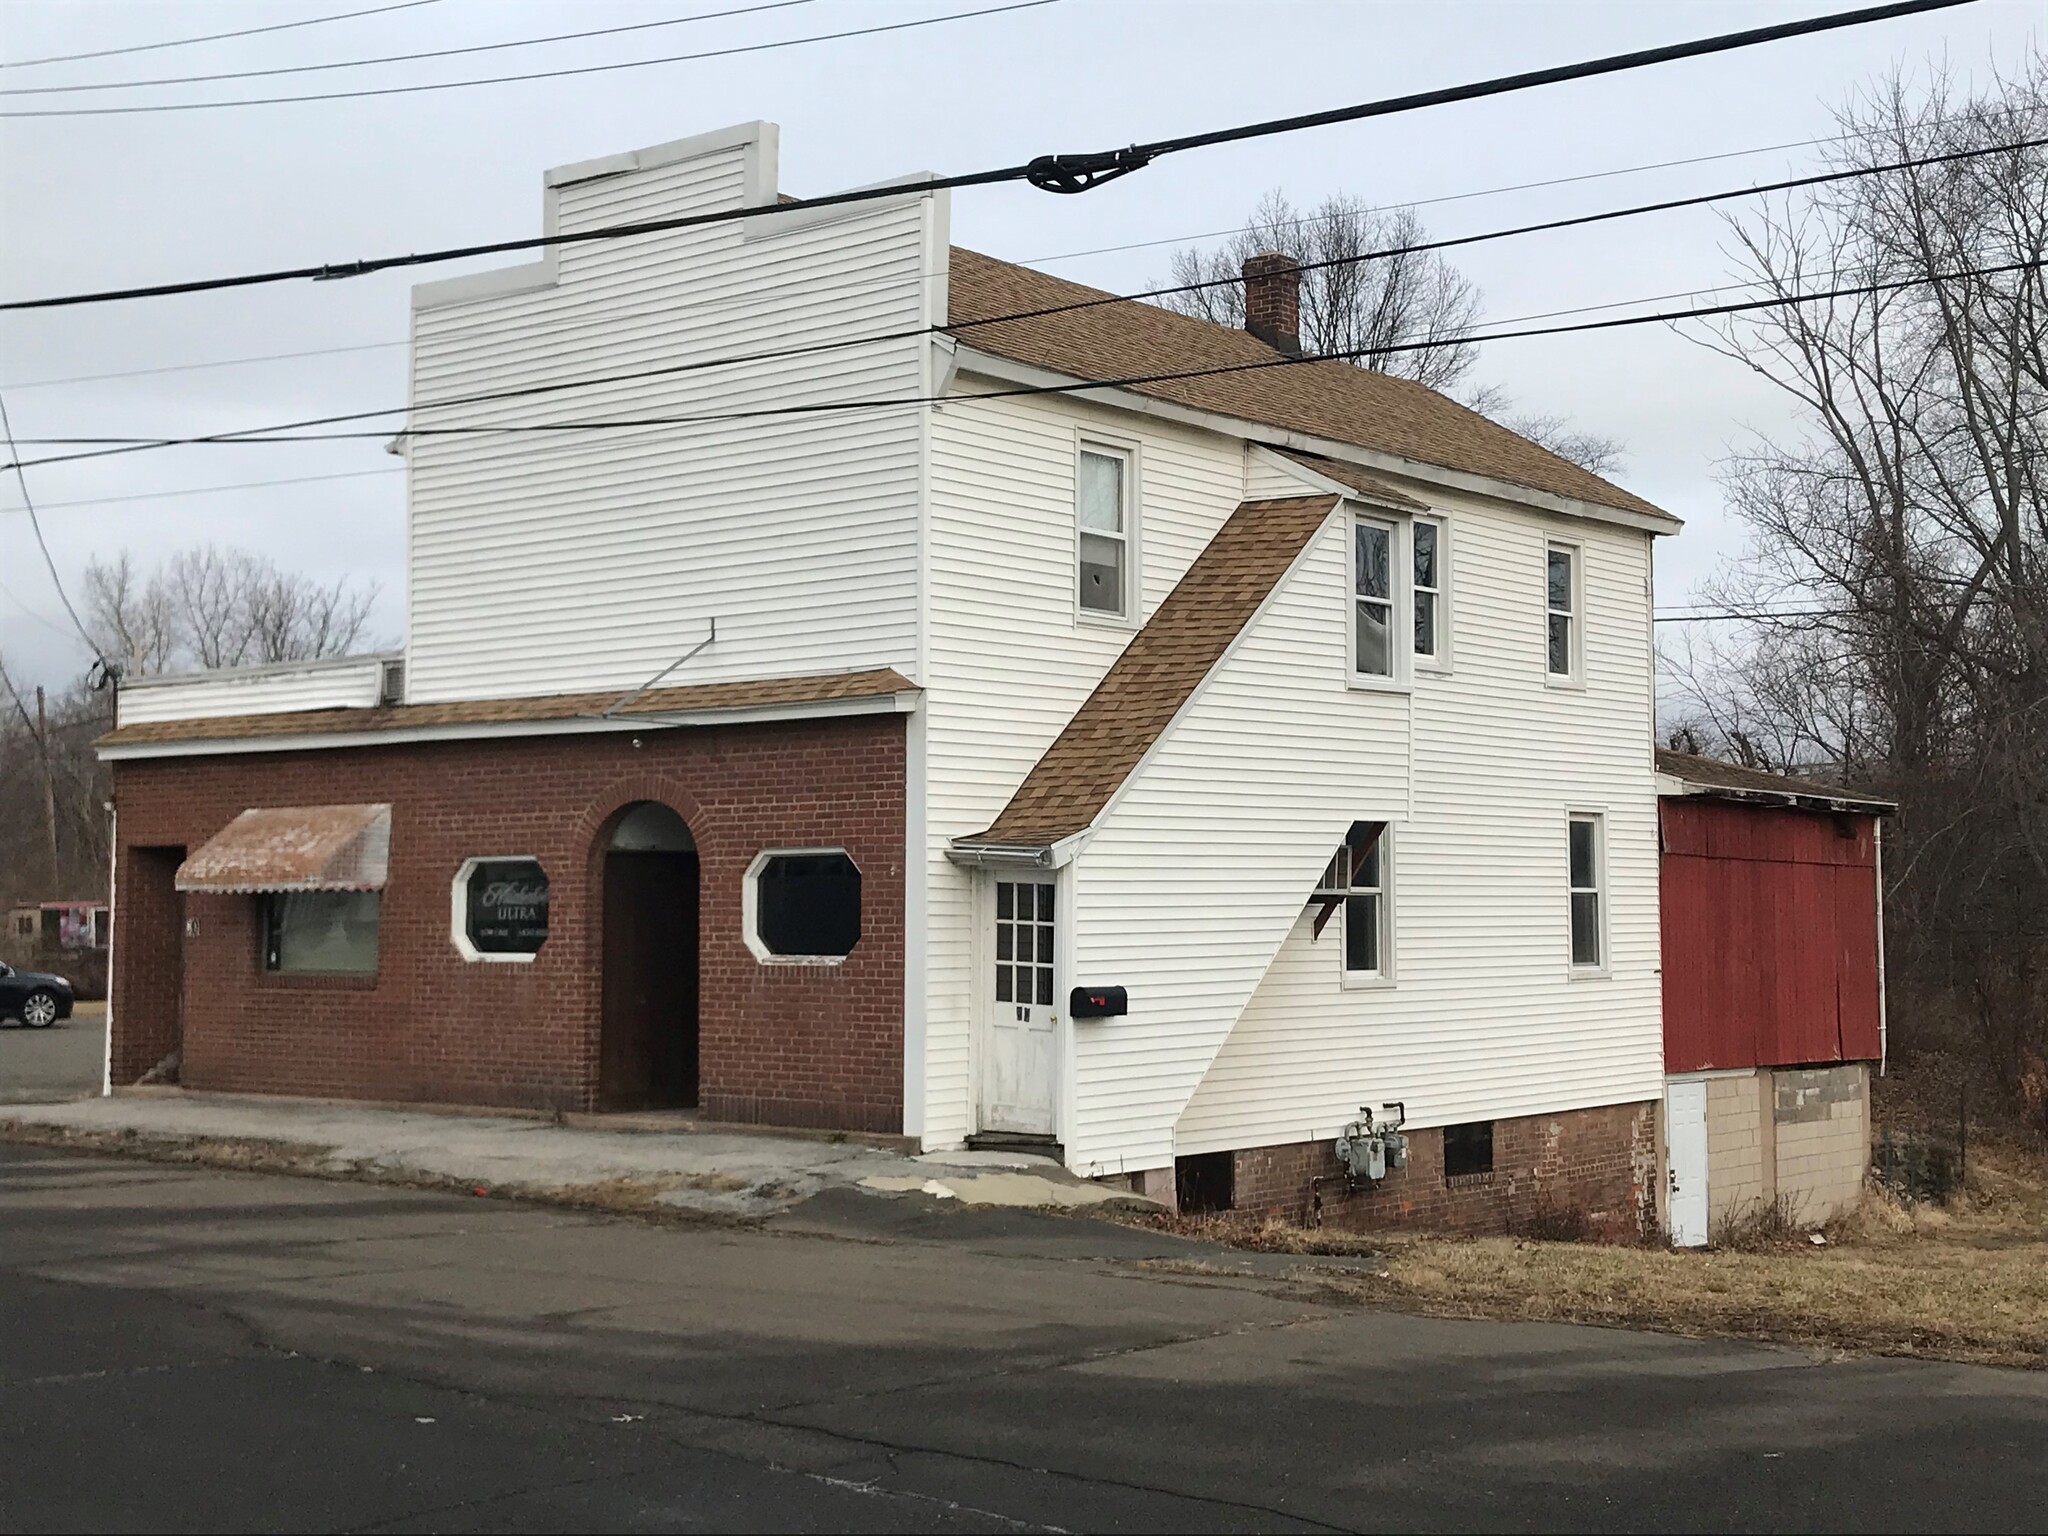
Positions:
{"x": 1105, "y": 540}
{"x": 1428, "y": 585}
{"x": 1373, "y": 594}
{"x": 808, "y": 904}
{"x": 320, "y": 933}
{"x": 1560, "y": 591}
{"x": 1585, "y": 889}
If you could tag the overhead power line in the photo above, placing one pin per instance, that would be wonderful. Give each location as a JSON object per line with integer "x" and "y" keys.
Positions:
{"x": 539, "y": 74}
{"x": 399, "y": 58}
{"x": 36, "y": 524}
{"x": 214, "y": 37}
{"x": 1077, "y": 386}
{"x": 133, "y": 445}
{"x": 1058, "y": 173}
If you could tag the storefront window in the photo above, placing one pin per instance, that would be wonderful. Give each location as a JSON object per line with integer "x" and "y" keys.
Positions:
{"x": 320, "y": 933}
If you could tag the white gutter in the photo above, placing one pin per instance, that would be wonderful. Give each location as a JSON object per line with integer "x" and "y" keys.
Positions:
{"x": 902, "y": 702}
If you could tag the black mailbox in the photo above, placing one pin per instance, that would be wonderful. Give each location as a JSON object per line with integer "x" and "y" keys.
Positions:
{"x": 1098, "y": 1003}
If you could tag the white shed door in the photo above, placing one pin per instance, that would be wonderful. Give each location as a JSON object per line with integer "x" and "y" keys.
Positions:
{"x": 1685, "y": 1148}
{"x": 1020, "y": 1067}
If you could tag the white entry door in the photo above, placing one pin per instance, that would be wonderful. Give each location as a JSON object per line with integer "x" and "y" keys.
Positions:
{"x": 1685, "y": 1150}
{"x": 1020, "y": 1070}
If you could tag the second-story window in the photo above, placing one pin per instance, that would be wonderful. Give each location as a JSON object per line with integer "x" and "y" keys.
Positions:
{"x": 1562, "y": 602}
{"x": 1372, "y": 590}
{"x": 1103, "y": 496}
{"x": 1429, "y": 589}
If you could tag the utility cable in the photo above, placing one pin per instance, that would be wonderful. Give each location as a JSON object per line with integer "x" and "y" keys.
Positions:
{"x": 36, "y": 523}
{"x": 1076, "y": 386}
{"x": 398, "y": 58}
{"x": 1058, "y": 173}
{"x": 539, "y": 74}
{"x": 956, "y": 327}
{"x": 214, "y": 37}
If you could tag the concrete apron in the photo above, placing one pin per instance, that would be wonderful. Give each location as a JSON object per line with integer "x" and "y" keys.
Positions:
{"x": 731, "y": 1174}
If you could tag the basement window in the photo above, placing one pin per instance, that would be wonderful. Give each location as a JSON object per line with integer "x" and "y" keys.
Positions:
{"x": 320, "y": 933}
{"x": 1468, "y": 1149}
{"x": 1206, "y": 1183}
{"x": 803, "y": 906}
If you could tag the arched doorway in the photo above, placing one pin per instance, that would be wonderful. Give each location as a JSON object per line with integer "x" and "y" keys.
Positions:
{"x": 648, "y": 1055}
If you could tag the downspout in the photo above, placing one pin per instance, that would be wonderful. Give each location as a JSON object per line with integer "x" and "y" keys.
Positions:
{"x": 1883, "y": 1035}
{"x": 113, "y": 928}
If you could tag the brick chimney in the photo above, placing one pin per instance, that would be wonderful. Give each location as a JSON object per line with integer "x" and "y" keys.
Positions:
{"x": 1272, "y": 301}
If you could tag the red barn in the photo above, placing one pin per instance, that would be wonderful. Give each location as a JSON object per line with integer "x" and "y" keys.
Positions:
{"x": 1773, "y": 984}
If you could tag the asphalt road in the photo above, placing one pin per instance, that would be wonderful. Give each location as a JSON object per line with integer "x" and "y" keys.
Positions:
{"x": 192, "y": 1350}
{"x": 65, "y": 1061}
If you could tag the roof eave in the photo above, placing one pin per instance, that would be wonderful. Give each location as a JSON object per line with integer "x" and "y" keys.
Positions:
{"x": 1674, "y": 787}
{"x": 972, "y": 360}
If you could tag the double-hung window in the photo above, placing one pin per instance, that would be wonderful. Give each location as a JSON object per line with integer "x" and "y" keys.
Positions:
{"x": 1373, "y": 650}
{"x": 1589, "y": 947}
{"x": 1355, "y": 883}
{"x": 1561, "y": 601}
{"x": 1428, "y": 537}
{"x": 1102, "y": 498}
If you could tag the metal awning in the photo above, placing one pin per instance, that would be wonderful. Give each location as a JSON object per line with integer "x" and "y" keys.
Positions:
{"x": 295, "y": 848}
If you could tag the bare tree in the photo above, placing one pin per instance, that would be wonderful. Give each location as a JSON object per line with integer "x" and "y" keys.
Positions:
{"x": 1354, "y": 303}
{"x": 209, "y": 607}
{"x": 1906, "y": 525}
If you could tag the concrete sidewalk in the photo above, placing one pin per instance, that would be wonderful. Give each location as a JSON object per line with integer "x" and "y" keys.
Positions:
{"x": 737, "y": 1175}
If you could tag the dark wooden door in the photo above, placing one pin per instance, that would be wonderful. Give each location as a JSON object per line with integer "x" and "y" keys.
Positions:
{"x": 649, "y": 1051}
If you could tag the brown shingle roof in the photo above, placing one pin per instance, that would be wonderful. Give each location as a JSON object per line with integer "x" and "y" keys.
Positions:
{"x": 1711, "y": 773}
{"x": 1330, "y": 399}
{"x": 561, "y": 706}
{"x": 1147, "y": 685}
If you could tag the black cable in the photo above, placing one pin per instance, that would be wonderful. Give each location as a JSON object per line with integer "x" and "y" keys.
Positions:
{"x": 400, "y": 58}
{"x": 1052, "y": 172}
{"x": 540, "y": 74}
{"x": 954, "y": 327}
{"x": 36, "y": 523}
{"x": 214, "y": 37}
{"x": 1126, "y": 381}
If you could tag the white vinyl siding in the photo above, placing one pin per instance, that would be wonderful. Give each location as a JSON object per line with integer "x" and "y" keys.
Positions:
{"x": 1008, "y": 665}
{"x": 349, "y": 683}
{"x": 1486, "y": 1022}
{"x": 563, "y": 562}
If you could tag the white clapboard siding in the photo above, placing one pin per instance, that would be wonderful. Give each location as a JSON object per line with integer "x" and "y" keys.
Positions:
{"x": 1199, "y": 868}
{"x": 1009, "y": 663}
{"x": 351, "y": 682}
{"x": 552, "y": 562}
{"x": 1484, "y": 1019}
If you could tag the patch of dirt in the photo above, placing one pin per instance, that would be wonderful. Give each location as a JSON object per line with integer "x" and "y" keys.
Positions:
{"x": 1966, "y": 1282}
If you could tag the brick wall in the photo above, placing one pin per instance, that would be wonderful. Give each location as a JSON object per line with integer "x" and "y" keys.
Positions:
{"x": 1599, "y": 1163}
{"x": 809, "y": 1045}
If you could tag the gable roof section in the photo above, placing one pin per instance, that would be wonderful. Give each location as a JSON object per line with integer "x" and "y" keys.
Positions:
{"x": 1707, "y": 775}
{"x": 1157, "y": 673}
{"x": 1351, "y": 476}
{"x": 1333, "y": 400}
{"x": 657, "y": 706}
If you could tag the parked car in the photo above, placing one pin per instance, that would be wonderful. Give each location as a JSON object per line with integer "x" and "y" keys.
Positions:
{"x": 36, "y": 998}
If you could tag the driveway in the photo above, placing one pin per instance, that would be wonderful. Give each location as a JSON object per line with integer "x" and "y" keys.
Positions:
{"x": 65, "y": 1061}
{"x": 191, "y": 1349}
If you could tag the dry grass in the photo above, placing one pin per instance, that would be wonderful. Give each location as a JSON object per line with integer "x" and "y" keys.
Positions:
{"x": 1964, "y": 1282}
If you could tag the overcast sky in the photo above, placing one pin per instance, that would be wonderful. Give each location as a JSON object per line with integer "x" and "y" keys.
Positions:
{"x": 87, "y": 202}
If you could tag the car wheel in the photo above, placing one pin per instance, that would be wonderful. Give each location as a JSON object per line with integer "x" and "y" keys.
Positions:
{"x": 39, "y": 1010}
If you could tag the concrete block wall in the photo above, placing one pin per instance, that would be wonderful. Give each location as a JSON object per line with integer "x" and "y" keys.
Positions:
{"x": 1820, "y": 1122}
{"x": 1739, "y": 1176}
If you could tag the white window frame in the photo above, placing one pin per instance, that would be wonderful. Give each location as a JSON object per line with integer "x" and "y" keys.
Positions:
{"x": 458, "y": 910}
{"x": 1384, "y": 975}
{"x": 1599, "y": 890}
{"x": 1576, "y": 677}
{"x": 1440, "y": 659}
{"x": 1401, "y": 620}
{"x": 750, "y": 907}
{"x": 1133, "y": 600}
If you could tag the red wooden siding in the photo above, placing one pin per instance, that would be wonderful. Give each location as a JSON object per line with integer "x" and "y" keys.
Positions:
{"x": 1770, "y": 936}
